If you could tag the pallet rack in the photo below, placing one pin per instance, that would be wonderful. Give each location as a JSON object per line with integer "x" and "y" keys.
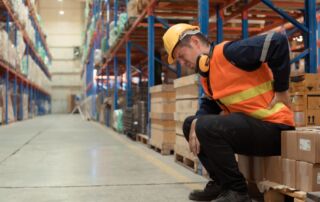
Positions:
{"x": 19, "y": 82}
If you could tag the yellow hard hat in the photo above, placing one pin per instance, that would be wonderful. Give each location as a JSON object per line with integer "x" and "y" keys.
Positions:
{"x": 174, "y": 34}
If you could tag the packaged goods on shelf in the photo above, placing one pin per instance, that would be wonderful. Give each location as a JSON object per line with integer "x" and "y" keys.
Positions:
{"x": 97, "y": 57}
{"x": 21, "y": 46}
{"x": 115, "y": 31}
{"x": 4, "y": 45}
{"x": 135, "y": 7}
{"x": 132, "y": 8}
{"x": 8, "y": 52}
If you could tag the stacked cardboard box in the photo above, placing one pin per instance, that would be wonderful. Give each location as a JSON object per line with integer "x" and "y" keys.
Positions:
{"x": 305, "y": 95}
{"x": 301, "y": 158}
{"x": 162, "y": 123}
{"x": 187, "y": 93}
{"x": 299, "y": 164}
{"x": 256, "y": 169}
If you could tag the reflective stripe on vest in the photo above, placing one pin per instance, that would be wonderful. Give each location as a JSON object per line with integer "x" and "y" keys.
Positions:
{"x": 263, "y": 113}
{"x": 247, "y": 94}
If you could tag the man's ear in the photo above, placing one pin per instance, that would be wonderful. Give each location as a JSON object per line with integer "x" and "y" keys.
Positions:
{"x": 195, "y": 41}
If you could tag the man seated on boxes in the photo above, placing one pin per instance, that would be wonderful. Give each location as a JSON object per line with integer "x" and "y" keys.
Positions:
{"x": 246, "y": 80}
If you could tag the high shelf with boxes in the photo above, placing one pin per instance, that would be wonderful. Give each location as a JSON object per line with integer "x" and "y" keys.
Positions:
{"x": 25, "y": 81}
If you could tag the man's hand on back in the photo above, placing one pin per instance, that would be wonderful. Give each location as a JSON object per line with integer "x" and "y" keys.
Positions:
{"x": 282, "y": 97}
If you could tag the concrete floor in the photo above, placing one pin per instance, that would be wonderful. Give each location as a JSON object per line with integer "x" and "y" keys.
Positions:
{"x": 64, "y": 158}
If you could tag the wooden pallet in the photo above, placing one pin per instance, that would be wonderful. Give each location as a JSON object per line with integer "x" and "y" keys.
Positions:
{"x": 165, "y": 150}
{"x": 279, "y": 193}
{"x": 144, "y": 139}
{"x": 187, "y": 162}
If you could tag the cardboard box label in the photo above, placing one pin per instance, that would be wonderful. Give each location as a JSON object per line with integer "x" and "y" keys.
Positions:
{"x": 318, "y": 178}
{"x": 304, "y": 144}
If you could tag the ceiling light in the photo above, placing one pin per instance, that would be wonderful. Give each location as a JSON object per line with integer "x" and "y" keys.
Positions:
{"x": 61, "y": 12}
{"x": 60, "y": 0}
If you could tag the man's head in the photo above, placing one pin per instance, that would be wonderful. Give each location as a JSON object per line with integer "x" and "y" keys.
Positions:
{"x": 184, "y": 43}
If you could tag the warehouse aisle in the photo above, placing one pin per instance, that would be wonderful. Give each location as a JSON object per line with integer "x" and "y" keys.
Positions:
{"x": 63, "y": 158}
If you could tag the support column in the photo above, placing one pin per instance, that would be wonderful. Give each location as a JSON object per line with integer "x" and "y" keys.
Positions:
{"x": 219, "y": 24}
{"x": 311, "y": 23}
{"x": 21, "y": 100}
{"x": 15, "y": 103}
{"x": 150, "y": 64}
{"x": 128, "y": 73}
{"x": 245, "y": 26}
{"x": 115, "y": 66}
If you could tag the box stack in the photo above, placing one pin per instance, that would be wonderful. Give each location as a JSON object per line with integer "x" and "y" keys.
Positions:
{"x": 301, "y": 158}
{"x": 162, "y": 122}
{"x": 256, "y": 169}
{"x": 305, "y": 95}
{"x": 299, "y": 164}
{"x": 187, "y": 93}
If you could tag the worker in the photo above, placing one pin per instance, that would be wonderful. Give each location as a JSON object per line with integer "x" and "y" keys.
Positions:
{"x": 245, "y": 107}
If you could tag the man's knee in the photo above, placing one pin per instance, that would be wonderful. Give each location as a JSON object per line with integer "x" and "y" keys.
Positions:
{"x": 187, "y": 126}
{"x": 208, "y": 125}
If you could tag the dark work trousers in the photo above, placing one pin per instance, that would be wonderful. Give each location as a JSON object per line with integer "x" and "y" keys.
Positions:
{"x": 221, "y": 137}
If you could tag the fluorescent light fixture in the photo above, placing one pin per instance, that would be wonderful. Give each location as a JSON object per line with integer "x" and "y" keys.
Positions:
{"x": 60, "y": 0}
{"x": 61, "y": 12}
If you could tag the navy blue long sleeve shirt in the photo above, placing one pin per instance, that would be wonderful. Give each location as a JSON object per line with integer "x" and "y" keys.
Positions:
{"x": 245, "y": 54}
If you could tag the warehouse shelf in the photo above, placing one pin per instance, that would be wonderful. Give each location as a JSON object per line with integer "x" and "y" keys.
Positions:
{"x": 20, "y": 90}
{"x": 39, "y": 29}
{"x": 20, "y": 77}
{"x": 27, "y": 39}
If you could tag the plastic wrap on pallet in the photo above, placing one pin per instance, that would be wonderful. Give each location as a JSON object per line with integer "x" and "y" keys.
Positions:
{"x": 117, "y": 120}
{"x": 143, "y": 117}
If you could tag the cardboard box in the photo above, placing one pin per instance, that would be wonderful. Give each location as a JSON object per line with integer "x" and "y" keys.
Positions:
{"x": 311, "y": 81}
{"x": 309, "y": 146}
{"x": 308, "y": 176}
{"x": 299, "y": 102}
{"x": 273, "y": 169}
{"x": 289, "y": 172}
{"x": 245, "y": 166}
{"x": 297, "y": 87}
{"x": 313, "y": 117}
{"x": 289, "y": 144}
{"x": 314, "y": 102}
{"x": 252, "y": 168}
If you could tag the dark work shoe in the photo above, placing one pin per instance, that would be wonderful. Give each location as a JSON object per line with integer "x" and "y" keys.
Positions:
{"x": 209, "y": 193}
{"x": 233, "y": 196}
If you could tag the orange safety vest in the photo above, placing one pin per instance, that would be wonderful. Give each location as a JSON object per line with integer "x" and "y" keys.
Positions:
{"x": 249, "y": 92}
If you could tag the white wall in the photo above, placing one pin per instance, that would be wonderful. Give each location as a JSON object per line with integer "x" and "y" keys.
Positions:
{"x": 64, "y": 32}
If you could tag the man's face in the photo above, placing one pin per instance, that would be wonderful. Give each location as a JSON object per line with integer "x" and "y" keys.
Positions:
{"x": 186, "y": 55}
